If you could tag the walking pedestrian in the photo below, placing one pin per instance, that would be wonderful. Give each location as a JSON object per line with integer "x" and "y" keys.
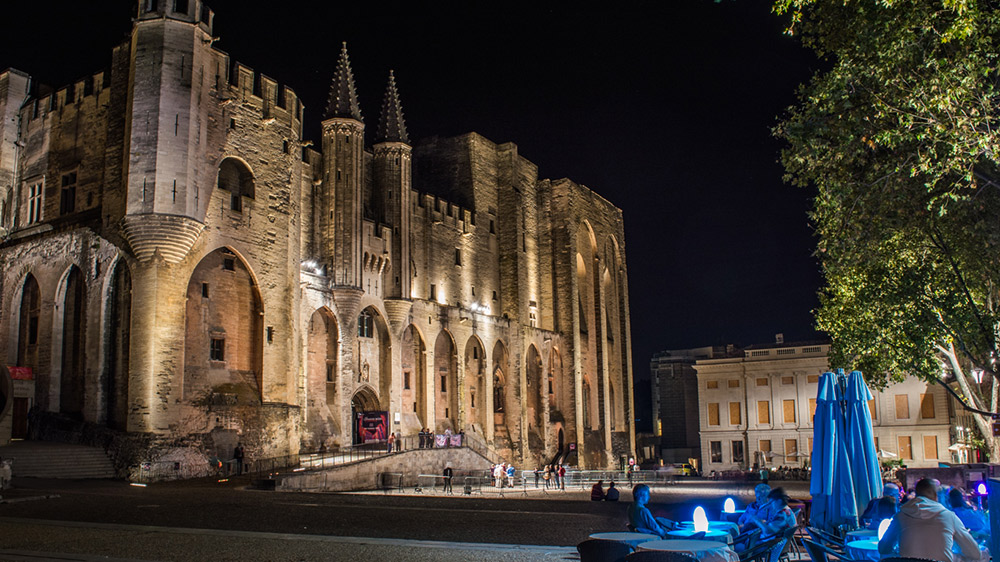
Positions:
{"x": 390, "y": 442}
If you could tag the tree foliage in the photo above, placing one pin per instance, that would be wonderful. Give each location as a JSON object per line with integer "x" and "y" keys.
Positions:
{"x": 900, "y": 135}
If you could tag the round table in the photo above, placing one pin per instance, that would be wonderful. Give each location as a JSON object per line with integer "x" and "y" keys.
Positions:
{"x": 706, "y": 551}
{"x": 633, "y": 539}
{"x": 713, "y": 535}
{"x": 861, "y": 535}
{"x": 729, "y": 526}
{"x": 862, "y": 550}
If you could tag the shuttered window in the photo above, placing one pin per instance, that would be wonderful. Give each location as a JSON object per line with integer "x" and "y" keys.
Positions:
{"x": 930, "y": 447}
{"x": 789, "y": 410}
{"x": 734, "y": 414}
{"x": 812, "y": 408}
{"x": 713, "y": 413}
{"x": 905, "y": 447}
{"x": 871, "y": 409}
{"x": 902, "y": 407}
{"x": 763, "y": 412}
{"x": 927, "y": 407}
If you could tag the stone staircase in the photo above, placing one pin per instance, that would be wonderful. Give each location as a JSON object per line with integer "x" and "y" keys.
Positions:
{"x": 43, "y": 459}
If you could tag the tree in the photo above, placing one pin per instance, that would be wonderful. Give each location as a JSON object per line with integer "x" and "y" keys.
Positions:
{"x": 900, "y": 135}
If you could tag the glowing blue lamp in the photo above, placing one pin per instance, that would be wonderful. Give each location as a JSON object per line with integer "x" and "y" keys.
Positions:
{"x": 700, "y": 520}
{"x": 981, "y": 488}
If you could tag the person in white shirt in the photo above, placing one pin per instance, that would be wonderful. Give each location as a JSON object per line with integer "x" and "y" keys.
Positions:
{"x": 924, "y": 528}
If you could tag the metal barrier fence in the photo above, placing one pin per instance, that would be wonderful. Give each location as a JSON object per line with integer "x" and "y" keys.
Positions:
{"x": 386, "y": 481}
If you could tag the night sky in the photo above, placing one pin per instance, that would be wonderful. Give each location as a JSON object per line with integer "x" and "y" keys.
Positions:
{"x": 664, "y": 108}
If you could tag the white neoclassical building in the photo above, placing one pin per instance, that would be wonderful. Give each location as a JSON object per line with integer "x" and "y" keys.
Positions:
{"x": 759, "y": 407}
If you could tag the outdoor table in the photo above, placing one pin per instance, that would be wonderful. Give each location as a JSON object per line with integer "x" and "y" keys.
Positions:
{"x": 633, "y": 539}
{"x": 714, "y": 535}
{"x": 861, "y": 535}
{"x": 728, "y": 526}
{"x": 705, "y": 551}
{"x": 862, "y": 550}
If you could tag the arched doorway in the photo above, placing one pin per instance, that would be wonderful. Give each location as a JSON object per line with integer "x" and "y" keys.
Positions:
{"x": 323, "y": 377}
{"x": 223, "y": 331}
{"x": 475, "y": 380}
{"x": 368, "y": 421}
{"x": 72, "y": 382}
{"x": 414, "y": 369}
{"x": 446, "y": 383}
{"x": 118, "y": 341}
{"x": 506, "y": 409}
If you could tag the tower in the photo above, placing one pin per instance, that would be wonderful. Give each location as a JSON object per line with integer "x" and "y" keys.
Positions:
{"x": 167, "y": 100}
{"x": 343, "y": 160}
{"x": 392, "y": 186}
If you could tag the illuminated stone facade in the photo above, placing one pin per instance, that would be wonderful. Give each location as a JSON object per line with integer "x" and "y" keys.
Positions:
{"x": 178, "y": 262}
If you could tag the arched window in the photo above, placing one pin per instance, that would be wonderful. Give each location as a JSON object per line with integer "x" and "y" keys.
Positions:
{"x": 366, "y": 326}
{"x": 237, "y": 179}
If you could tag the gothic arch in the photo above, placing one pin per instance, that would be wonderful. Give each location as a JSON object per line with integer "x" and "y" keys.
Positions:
{"x": 476, "y": 381}
{"x": 28, "y": 319}
{"x": 614, "y": 335}
{"x": 236, "y": 178}
{"x": 535, "y": 391}
{"x": 555, "y": 380}
{"x": 413, "y": 359}
{"x": 118, "y": 328}
{"x": 506, "y": 409}
{"x": 72, "y": 326}
{"x": 446, "y": 382}
{"x": 223, "y": 330}
{"x": 322, "y": 375}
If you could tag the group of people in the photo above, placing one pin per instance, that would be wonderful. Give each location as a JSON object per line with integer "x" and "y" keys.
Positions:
{"x": 554, "y": 475}
{"x": 929, "y": 523}
{"x": 597, "y": 493}
{"x": 503, "y": 475}
{"x": 426, "y": 438}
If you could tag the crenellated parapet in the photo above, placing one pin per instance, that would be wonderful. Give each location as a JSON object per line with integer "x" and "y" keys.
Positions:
{"x": 274, "y": 101}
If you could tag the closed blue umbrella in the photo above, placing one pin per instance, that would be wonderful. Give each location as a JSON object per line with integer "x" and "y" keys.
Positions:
{"x": 861, "y": 442}
{"x": 834, "y": 502}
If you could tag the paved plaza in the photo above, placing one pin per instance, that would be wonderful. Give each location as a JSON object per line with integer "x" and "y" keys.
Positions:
{"x": 91, "y": 520}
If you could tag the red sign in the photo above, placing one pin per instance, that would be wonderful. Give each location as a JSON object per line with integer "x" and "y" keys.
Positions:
{"x": 21, "y": 373}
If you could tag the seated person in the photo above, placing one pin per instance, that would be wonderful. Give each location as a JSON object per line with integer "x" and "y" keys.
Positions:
{"x": 924, "y": 528}
{"x": 760, "y": 491}
{"x": 888, "y": 490}
{"x": 641, "y": 519}
{"x": 885, "y": 508}
{"x": 597, "y": 492}
{"x": 779, "y": 519}
{"x": 612, "y": 495}
{"x": 975, "y": 521}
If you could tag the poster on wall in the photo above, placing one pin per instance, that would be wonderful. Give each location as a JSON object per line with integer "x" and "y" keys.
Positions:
{"x": 373, "y": 426}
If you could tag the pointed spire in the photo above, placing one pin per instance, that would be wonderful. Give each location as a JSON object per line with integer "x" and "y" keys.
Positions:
{"x": 391, "y": 126}
{"x": 343, "y": 100}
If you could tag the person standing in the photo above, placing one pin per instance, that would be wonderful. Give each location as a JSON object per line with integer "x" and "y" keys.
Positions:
{"x": 562, "y": 477}
{"x": 538, "y": 476}
{"x": 448, "y": 474}
{"x": 390, "y": 442}
{"x": 510, "y": 475}
{"x": 547, "y": 476}
{"x": 238, "y": 457}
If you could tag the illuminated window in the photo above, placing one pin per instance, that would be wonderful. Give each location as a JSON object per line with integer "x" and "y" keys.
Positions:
{"x": 716, "y": 447}
{"x": 738, "y": 452}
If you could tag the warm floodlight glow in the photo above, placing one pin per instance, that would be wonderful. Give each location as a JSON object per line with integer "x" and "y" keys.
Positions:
{"x": 729, "y": 506}
{"x": 700, "y": 520}
{"x": 882, "y": 527}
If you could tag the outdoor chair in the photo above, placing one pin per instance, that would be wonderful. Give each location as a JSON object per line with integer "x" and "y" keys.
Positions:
{"x": 819, "y": 552}
{"x": 747, "y": 540}
{"x": 659, "y": 556}
{"x": 824, "y": 538}
{"x": 905, "y": 559}
{"x": 593, "y": 550}
{"x": 762, "y": 551}
{"x": 789, "y": 536}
